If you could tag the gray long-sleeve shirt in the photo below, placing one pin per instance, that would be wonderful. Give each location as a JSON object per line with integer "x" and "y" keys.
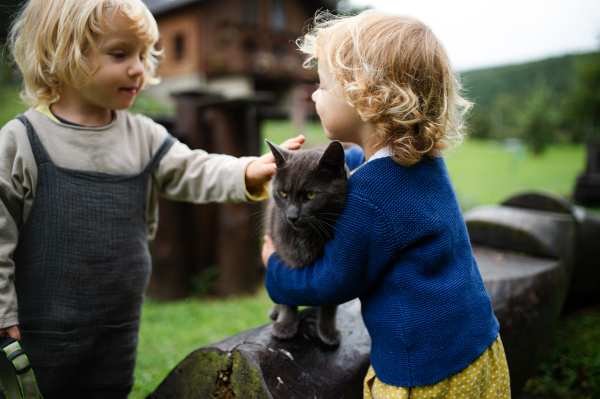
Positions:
{"x": 123, "y": 146}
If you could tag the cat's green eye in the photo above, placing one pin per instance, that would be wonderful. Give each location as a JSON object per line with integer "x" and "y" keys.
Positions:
{"x": 310, "y": 194}
{"x": 282, "y": 193}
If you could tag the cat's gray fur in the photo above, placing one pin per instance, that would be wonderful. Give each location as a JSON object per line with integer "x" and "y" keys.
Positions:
{"x": 300, "y": 227}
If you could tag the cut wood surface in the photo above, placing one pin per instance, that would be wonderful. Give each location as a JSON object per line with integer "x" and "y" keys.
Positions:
{"x": 254, "y": 364}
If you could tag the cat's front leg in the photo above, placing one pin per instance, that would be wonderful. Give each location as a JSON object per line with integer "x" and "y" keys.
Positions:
{"x": 287, "y": 322}
{"x": 274, "y": 312}
{"x": 326, "y": 326}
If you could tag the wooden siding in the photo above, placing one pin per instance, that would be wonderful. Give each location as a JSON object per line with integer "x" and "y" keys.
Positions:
{"x": 218, "y": 42}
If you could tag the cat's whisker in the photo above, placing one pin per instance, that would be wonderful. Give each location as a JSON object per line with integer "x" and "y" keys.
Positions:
{"x": 259, "y": 227}
{"x": 316, "y": 230}
{"x": 323, "y": 228}
{"x": 325, "y": 219}
{"x": 257, "y": 213}
{"x": 329, "y": 225}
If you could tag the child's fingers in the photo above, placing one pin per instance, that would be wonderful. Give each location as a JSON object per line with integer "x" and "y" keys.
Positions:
{"x": 12, "y": 332}
{"x": 270, "y": 169}
{"x": 298, "y": 139}
{"x": 267, "y": 158}
{"x": 290, "y": 146}
{"x": 293, "y": 143}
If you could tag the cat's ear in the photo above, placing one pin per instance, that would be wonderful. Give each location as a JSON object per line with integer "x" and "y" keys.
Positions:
{"x": 279, "y": 153}
{"x": 334, "y": 159}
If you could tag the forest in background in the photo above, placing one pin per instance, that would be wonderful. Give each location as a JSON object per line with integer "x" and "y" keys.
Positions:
{"x": 552, "y": 100}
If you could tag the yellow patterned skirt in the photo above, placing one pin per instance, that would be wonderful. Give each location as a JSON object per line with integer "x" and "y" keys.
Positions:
{"x": 486, "y": 377}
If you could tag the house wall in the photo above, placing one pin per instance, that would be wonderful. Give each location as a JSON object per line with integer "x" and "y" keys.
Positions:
{"x": 223, "y": 53}
{"x": 189, "y": 26}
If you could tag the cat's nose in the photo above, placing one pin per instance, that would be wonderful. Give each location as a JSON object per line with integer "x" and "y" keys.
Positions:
{"x": 292, "y": 219}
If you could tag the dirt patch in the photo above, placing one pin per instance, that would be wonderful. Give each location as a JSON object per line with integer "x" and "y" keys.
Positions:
{"x": 223, "y": 385}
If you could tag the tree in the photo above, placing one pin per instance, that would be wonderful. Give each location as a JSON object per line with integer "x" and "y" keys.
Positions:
{"x": 7, "y": 9}
{"x": 583, "y": 103}
{"x": 538, "y": 118}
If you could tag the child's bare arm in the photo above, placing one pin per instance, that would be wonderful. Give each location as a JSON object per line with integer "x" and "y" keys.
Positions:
{"x": 261, "y": 170}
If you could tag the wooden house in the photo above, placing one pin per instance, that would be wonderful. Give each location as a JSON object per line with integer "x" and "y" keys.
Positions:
{"x": 233, "y": 47}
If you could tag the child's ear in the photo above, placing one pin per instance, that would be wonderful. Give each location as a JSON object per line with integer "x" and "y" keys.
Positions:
{"x": 279, "y": 153}
{"x": 334, "y": 159}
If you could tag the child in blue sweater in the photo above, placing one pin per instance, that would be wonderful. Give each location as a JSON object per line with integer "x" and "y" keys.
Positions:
{"x": 401, "y": 244}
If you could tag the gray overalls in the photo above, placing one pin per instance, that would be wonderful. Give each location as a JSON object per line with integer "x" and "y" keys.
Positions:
{"x": 81, "y": 269}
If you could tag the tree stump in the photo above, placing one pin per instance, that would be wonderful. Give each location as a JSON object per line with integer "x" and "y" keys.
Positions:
{"x": 254, "y": 364}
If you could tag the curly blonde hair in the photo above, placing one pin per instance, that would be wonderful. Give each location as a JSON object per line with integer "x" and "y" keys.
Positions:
{"x": 49, "y": 40}
{"x": 397, "y": 74}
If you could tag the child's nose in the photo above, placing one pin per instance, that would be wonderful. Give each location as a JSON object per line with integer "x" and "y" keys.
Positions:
{"x": 137, "y": 68}
{"x": 315, "y": 95}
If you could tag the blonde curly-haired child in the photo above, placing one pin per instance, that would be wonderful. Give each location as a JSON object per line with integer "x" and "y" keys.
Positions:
{"x": 79, "y": 182}
{"x": 401, "y": 243}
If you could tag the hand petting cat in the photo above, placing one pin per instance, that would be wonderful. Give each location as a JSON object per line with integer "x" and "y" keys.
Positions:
{"x": 263, "y": 168}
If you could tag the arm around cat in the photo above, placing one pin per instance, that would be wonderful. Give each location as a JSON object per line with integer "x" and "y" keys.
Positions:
{"x": 360, "y": 253}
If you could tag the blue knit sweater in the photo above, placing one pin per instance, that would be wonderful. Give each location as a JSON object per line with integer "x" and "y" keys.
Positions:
{"x": 401, "y": 246}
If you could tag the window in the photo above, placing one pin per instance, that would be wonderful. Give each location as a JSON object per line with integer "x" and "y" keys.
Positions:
{"x": 278, "y": 15}
{"x": 179, "y": 47}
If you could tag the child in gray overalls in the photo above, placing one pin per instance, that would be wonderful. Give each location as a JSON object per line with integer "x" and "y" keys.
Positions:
{"x": 79, "y": 182}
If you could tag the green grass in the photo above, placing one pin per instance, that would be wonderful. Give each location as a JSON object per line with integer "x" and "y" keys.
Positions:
{"x": 571, "y": 369}
{"x": 277, "y": 131}
{"x": 10, "y": 104}
{"x": 483, "y": 172}
{"x": 170, "y": 331}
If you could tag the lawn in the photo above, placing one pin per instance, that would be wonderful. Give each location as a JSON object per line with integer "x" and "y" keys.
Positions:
{"x": 10, "y": 104}
{"x": 483, "y": 172}
{"x": 170, "y": 331}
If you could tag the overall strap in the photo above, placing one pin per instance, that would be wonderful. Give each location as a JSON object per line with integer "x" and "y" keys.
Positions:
{"x": 16, "y": 375}
{"x": 162, "y": 150}
{"x": 39, "y": 152}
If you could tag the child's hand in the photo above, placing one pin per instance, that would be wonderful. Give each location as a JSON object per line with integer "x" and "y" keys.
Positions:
{"x": 268, "y": 249}
{"x": 12, "y": 332}
{"x": 263, "y": 168}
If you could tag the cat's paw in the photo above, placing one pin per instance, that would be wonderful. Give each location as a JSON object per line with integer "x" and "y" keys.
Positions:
{"x": 274, "y": 312}
{"x": 284, "y": 330}
{"x": 331, "y": 337}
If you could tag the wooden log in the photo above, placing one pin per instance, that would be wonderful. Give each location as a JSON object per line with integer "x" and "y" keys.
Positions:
{"x": 254, "y": 364}
{"x": 526, "y": 260}
{"x": 585, "y": 281}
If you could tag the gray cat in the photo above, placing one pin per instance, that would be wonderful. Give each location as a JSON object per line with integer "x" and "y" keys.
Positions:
{"x": 309, "y": 192}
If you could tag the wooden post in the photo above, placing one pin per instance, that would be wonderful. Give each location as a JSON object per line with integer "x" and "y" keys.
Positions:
{"x": 587, "y": 189}
{"x": 192, "y": 238}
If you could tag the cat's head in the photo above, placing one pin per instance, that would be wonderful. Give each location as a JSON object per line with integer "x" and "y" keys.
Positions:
{"x": 310, "y": 185}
